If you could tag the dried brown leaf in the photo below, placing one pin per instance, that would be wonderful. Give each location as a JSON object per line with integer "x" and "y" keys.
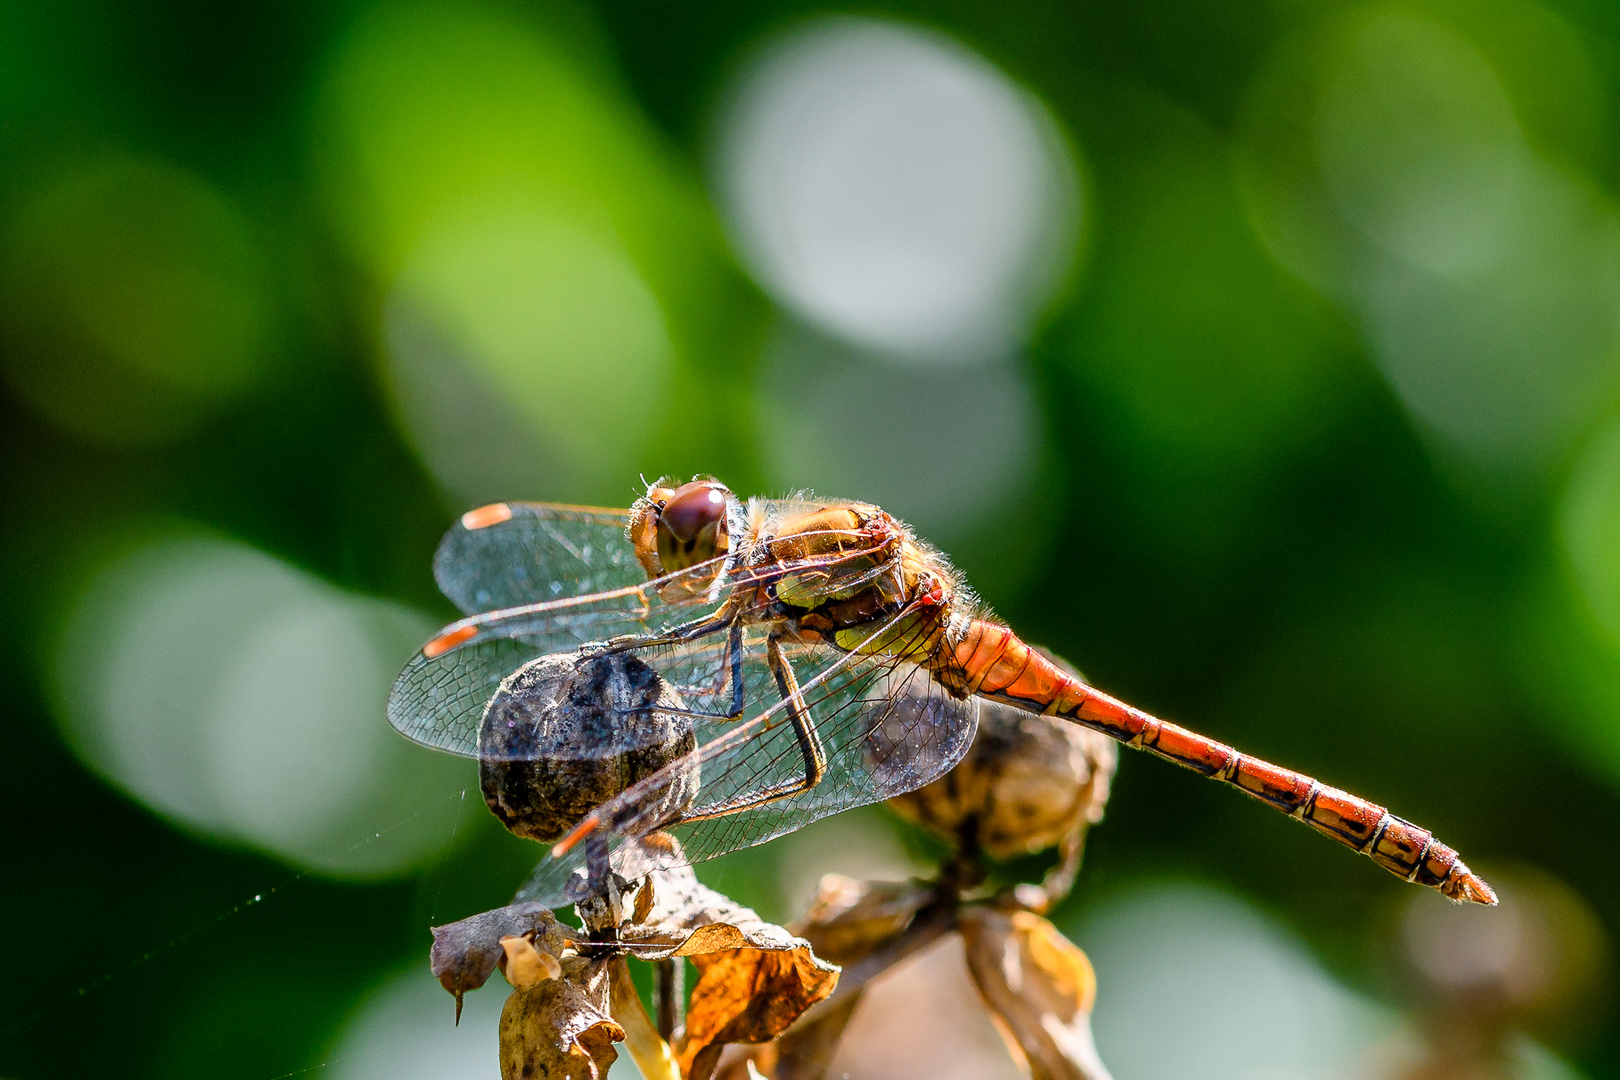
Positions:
{"x": 877, "y": 925}
{"x": 466, "y": 953}
{"x": 754, "y": 977}
{"x": 1039, "y": 988}
{"x": 848, "y": 921}
{"x": 561, "y": 1028}
{"x": 748, "y": 995}
{"x": 687, "y": 918}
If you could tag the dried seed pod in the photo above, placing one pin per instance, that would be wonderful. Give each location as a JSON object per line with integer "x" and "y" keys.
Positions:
{"x": 466, "y": 953}
{"x": 562, "y": 1027}
{"x": 565, "y": 733}
{"x": 1028, "y": 783}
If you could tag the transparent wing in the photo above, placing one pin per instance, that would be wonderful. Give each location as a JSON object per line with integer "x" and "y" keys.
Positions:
{"x": 438, "y": 699}
{"x": 700, "y": 673}
{"x": 885, "y": 727}
{"x": 643, "y": 701}
{"x": 508, "y": 555}
{"x": 512, "y": 554}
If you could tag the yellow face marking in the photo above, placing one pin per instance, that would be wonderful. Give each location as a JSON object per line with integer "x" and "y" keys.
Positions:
{"x": 448, "y": 640}
{"x": 485, "y": 516}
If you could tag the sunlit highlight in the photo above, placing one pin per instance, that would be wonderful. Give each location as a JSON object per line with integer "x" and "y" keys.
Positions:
{"x": 137, "y": 301}
{"x": 941, "y": 448}
{"x": 892, "y": 187}
{"x": 239, "y": 696}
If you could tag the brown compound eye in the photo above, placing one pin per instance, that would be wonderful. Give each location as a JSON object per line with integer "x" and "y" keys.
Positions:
{"x": 692, "y": 525}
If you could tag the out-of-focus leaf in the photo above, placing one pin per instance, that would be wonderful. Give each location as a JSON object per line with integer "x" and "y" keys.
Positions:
{"x": 1039, "y": 989}
{"x": 466, "y": 953}
{"x": 754, "y": 978}
{"x": 561, "y": 1028}
{"x": 848, "y": 918}
{"x": 848, "y": 921}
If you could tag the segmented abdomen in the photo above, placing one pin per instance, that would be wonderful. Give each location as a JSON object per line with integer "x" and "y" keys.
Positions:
{"x": 990, "y": 660}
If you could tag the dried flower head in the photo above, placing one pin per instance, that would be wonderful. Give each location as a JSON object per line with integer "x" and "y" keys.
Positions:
{"x": 573, "y": 998}
{"x": 564, "y": 734}
{"x": 1027, "y": 783}
{"x": 554, "y": 740}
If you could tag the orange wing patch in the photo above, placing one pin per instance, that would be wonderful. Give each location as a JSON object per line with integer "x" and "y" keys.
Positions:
{"x": 485, "y": 516}
{"x": 449, "y": 640}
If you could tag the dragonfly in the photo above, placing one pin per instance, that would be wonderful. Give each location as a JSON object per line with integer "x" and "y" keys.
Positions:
{"x": 823, "y": 657}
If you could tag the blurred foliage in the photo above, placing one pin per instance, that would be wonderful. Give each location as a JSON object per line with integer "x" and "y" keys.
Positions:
{"x": 1315, "y": 450}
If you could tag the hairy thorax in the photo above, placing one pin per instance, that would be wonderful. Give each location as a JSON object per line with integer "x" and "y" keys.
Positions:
{"x": 863, "y": 569}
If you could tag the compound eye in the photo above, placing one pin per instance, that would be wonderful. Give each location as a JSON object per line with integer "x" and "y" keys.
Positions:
{"x": 693, "y": 508}
{"x": 692, "y": 525}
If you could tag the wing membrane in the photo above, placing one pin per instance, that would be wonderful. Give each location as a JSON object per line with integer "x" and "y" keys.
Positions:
{"x": 438, "y": 699}
{"x": 511, "y": 554}
{"x": 885, "y": 726}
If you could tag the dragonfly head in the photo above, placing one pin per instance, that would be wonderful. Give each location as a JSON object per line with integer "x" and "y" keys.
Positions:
{"x": 674, "y": 528}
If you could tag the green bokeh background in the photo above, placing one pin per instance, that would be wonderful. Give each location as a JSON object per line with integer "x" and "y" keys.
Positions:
{"x": 1240, "y": 515}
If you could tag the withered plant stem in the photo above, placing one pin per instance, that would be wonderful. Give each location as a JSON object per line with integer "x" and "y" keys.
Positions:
{"x": 669, "y": 994}
{"x": 648, "y": 1050}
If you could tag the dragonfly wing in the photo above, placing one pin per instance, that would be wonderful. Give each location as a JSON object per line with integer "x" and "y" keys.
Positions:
{"x": 885, "y": 727}
{"x": 510, "y": 554}
{"x": 439, "y": 698}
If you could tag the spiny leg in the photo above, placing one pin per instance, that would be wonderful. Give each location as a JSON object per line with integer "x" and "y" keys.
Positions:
{"x": 804, "y": 730}
{"x": 727, "y": 618}
{"x": 739, "y": 701}
{"x": 809, "y": 742}
{"x": 675, "y": 635}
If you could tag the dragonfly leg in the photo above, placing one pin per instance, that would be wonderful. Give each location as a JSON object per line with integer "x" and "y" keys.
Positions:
{"x": 804, "y": 729}
{"x": 697, "y": 628}
{"x": 738, "y": 691}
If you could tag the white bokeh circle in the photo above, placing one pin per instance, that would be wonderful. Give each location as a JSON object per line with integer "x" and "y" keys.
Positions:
{"x": 945, "y": 449}
{"x": 243, "y": 698}
{"x": 891, "y": 186}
